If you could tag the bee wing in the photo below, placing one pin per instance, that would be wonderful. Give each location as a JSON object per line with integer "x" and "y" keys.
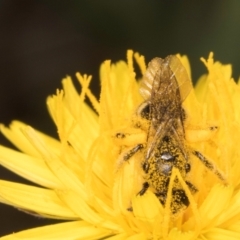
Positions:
{"x": 166, "y": 99}
{"x": 169, "y": 84}
{"x": 181, "y": 75}
{"x": 177, "y": 69}
{"x": 154, "y": 136}
{"x": 148, "y": 78}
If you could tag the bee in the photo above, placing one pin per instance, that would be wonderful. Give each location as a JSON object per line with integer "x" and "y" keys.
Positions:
{"x": 165, "y": 86}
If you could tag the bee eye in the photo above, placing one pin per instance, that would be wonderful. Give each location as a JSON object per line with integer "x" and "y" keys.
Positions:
{"x": 144, "y": 110}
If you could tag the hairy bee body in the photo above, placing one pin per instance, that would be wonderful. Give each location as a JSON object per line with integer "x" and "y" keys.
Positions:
{"x": 165, "y": 146}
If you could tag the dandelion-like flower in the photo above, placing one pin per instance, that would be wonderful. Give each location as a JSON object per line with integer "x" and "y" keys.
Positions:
{"x": 92, "y": 176}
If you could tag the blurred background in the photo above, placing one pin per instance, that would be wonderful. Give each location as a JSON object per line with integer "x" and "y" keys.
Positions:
{"x": 43, "y": 41}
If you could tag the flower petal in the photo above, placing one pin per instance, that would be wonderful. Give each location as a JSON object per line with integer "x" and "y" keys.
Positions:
{"x": 209, "y": 210}
{"x": 139, "y": 236}
{"x": 85, "y": 212}
{"x": 36, "y": 200}
{"x": 118, "y": 83}
{"x": 121, "y": 236}
{"x": 31, "y": 168}
{"x": 179, "y": 235}
{"x": 69, "y": 179}
{"x": 231, "y": 214}
{"x": 221, "y": 234}
{"x": 15, "y": 135}
{"x": 65, "y": 231}
{"x": 147, "y": 207}
{"x": 78, "y": 130}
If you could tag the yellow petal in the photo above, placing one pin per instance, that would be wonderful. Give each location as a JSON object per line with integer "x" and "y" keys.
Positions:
{"x": 231, "y": 214}
{"x": 176, "y": 234}
{"x": 62, "y": 231}
{"x": 37, "y": 200}
{"x": 16, "y": 136}
{"x": 69, "y": 179}
{"x": 121, "y": 236}
{"x": 31, "y": 168}
{"x": 147, "y": 207}
{"x": 215, "y": 203}
{"x": 79, "y": 130}
{"x": 118, "y": 82}
{"x": 128, "y": 182}
{"x": 221, "y": 234}
{"x": 84, "y": 211}
{"x": 139, "y": 236}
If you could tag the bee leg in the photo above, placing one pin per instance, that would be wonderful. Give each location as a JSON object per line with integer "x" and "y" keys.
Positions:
{"x": 191, "y": 187}
{"x": 144, "y": 188}
{"x": 210, "y": 166}
{"x": 130, "y": 209}
{"x": 131, "y": 152}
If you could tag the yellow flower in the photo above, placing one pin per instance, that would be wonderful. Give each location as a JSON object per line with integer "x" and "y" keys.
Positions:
{"x": 85, "y": 179}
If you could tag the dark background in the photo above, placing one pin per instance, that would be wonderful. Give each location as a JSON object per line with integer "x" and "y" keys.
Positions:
{"x": 42, "y": 41}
